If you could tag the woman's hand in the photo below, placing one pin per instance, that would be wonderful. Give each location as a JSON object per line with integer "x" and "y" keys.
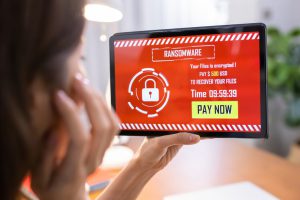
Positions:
{"x": 156, "y": 153}
{"x": 85, "y": 149}
{"x": 153, "y": 155}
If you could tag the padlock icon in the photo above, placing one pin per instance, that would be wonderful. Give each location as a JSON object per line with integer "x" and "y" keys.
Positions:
{"x": 150, "y": 94}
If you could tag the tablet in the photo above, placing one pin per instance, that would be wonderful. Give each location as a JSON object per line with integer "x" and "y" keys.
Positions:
{"x": 209, "y": 81}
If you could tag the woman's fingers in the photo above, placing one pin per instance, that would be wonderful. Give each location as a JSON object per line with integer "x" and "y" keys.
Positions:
{"x": 104, "y": 138}
{"x": 103, "y": 123}
{"x": 78, "y": 138}
{"x": 86, "y": 148}
{"x": 177, "y": 139}
{"x": 93, "y": 107}
{"x": 114, "y": 120}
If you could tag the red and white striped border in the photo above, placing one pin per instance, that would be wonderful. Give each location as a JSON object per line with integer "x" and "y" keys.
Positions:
{"x": 191, "y": 127}
{"x": 187, "y": 40}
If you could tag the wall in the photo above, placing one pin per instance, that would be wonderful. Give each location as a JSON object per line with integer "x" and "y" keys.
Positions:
{"x": 283, "y": 14}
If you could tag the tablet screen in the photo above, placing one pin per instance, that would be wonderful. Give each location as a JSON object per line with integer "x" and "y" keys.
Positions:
{"x": 206, "y": 80}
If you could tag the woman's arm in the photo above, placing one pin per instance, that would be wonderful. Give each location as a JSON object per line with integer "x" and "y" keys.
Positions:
{"x": 128, "y": 184}
{"x": 153, "y": 155}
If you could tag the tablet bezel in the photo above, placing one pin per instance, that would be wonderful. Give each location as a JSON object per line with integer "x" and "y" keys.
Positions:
{"x": 234, "y": 28}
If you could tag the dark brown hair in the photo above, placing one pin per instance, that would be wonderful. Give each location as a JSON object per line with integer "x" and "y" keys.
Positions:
{"x": 36, "y": 37}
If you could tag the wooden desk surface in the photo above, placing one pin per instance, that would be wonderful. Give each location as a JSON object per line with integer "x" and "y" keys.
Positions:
{"x": 223, "y": 161}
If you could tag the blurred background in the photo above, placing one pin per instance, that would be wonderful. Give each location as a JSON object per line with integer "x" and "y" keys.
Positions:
{"x": 106, "y": 17}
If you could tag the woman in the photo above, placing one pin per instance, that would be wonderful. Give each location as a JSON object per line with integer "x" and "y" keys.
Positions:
{"x": 42, "y": 95}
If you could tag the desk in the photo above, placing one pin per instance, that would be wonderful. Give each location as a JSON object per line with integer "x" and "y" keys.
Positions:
{"x": 223, "y": 161}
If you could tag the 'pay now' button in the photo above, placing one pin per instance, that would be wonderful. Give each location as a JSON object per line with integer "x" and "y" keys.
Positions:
{"x": 215, "y": 109}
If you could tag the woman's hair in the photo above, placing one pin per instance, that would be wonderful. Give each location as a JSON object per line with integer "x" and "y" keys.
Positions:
{"x": 36, "y": 37}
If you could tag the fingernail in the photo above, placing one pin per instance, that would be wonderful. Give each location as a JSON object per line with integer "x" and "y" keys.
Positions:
{"x": 61, "y": 95}
{"x": 82, "y": 79}
{"x": 194, "y": 138}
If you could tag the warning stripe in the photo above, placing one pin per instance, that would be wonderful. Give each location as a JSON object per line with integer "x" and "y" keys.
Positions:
{"x": 187, "y": 40}
{"x": 192, "y": 127}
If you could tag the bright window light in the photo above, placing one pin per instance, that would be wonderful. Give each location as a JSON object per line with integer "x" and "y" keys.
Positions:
{"x": 102, "y": 13}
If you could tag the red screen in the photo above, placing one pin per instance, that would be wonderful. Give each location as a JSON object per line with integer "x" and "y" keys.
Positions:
{"x": 207, "y": 83}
